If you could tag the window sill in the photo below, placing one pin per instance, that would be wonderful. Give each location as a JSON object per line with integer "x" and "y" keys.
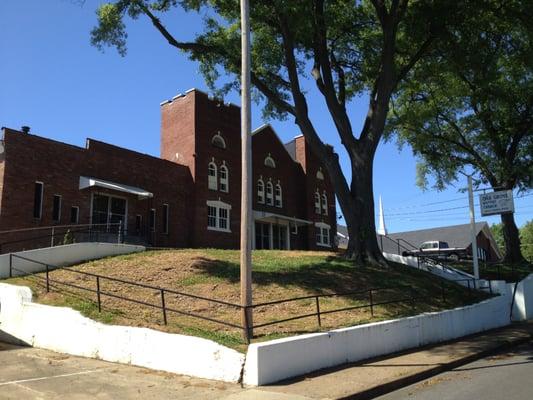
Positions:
{"x": 212, "y": 228}
{"x": 323, "y": 245}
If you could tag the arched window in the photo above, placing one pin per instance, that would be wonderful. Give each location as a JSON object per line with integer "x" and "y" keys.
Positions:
{"x": 269, "y": 193}
{"x": 212, "y": 183}
{"x": 224, "y": 178}
{"x": 317, "y": 202}
{"x": 269, "y": 161}
{"x": 278, "y": 196}
{"x": 260, "y": 191}
{"x": 320, "y": 174}
{"x": 218, "y": 141}
{"x": 324, "y": 204}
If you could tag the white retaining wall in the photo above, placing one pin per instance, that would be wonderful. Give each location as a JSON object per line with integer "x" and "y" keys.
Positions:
{"x": 63, "y": 255}
{"x": 284, "y": 358}
{"x": 67, "y": 331}
{"x": 523, "y": 301}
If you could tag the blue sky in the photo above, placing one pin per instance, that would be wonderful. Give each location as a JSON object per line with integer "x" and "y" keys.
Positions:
{"x": 53, "y": 80}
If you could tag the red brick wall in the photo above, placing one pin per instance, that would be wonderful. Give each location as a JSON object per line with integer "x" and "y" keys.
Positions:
{"x": 311, "y": 165}
{"x": 188, "y": 126}
{"x": 31, "y": 158}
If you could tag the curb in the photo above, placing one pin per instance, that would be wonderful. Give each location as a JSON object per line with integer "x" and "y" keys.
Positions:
{"x": 420, "y": 376}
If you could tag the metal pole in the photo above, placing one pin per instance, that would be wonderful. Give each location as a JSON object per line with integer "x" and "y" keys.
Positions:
{"x": 246, "y": 178}
{"x": 473, "y": 226}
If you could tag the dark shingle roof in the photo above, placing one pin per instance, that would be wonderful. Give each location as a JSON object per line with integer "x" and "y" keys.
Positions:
{"x": 291, "y": 148}
{"x": 455, "y": 235}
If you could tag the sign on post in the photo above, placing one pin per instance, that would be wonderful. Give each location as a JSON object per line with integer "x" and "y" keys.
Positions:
{"x": 496, "y": 203}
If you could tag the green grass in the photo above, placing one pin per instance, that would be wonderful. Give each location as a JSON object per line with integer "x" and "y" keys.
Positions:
{"x": 498, "y": 271}
{"x": 276, "y": 275}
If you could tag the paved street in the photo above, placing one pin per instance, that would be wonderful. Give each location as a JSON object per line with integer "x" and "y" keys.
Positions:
{"x": 507, "y": 375}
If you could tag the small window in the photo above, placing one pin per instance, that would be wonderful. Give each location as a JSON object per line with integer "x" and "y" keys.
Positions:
{"x": 320, "y": 174}
{"x": 165, "y": 218}
{"x": 269, "y": 161}
{"x": 317, "y": 203}
{"x": 212, "y": 177}
{"x": 138, "y": 223}
{"x": 38, "y": 200}
{"x": 324, "y": 204}
{"x": 56, "y": 208}
{"x": 218, "y": 141}
{"x": 322, "y": 236}
{"x": 278, "y": 196}
{"x": 218, "y": 216}
{"x": 223, "y": 215}
{"x": 270, "y": 194}
{"x": 74, "y": 214}
{"x": 260, "y": 191}
{"x": 152, "y": 220}
{"x": 224, "y": 179}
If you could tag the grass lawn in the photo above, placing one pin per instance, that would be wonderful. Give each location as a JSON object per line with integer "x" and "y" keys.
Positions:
{"x": 215, "y": 274}
{"x": 498, "y": 271}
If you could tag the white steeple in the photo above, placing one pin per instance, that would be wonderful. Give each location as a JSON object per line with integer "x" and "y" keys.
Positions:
{"x": 382, "y": 230}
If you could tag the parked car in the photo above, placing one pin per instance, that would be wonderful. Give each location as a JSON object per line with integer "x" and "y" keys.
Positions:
{"x": 436, "y": 248}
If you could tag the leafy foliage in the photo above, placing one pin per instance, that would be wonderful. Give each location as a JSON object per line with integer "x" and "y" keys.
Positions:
{"x": 497, "y": 233}
{"x": 470, "y": 104}
{"x": 526, "y": 237}
{"x": 343, "y": 48}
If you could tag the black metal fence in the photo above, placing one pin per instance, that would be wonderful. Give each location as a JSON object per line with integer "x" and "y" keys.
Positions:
{"x": 55, "y": 235}
{"x": 408, "y": 296}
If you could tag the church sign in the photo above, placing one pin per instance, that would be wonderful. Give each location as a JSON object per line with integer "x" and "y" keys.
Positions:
{"x": 496, "y": 203}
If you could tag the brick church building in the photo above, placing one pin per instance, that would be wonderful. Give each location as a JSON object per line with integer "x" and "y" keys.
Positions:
{"x": 190, "y": 197}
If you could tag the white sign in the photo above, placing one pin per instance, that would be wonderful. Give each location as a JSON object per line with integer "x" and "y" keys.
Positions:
{"x": 496, "y": 203}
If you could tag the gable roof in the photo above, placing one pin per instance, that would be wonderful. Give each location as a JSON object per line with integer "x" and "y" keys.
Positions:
{"x": 455, "y": 235}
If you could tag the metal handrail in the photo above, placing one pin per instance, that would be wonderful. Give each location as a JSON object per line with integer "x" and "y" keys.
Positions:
{"x": 370, "y": 291}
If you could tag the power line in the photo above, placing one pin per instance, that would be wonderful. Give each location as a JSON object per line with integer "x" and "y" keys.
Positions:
{"x": 444, "y": 209}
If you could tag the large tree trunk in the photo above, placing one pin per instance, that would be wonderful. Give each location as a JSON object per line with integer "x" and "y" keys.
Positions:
{"x": 511, "y": 236}
{"x": 358, "y": 210}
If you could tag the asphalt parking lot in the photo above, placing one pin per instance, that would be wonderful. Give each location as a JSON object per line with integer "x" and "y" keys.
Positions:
{"x": 30, "y": 373}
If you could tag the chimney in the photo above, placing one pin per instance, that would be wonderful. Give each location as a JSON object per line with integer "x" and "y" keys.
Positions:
{"x": 25, "y": 129}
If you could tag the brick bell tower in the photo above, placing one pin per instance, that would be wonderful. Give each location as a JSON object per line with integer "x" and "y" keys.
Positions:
{"x": 201, "y": 133}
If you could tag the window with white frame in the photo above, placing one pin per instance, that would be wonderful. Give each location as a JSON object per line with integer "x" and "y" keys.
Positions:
{"x": 269, "y": 193}
{"x": 269, "y": 161}
{"x": 260, "y": 191}
{"x": 322, "y": 234}
{"x": 317, "y": 203}
{"x": 278, "y": 200}
{"x": 218, "y": 141}
{"x": 212, "y": 183}
{"x": 218, "y": 216}
{"x": 224, "y": 179}
{"x": 324, "y": 204}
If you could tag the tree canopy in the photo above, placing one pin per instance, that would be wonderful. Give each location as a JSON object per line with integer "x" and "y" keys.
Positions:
{"x": 469, "y": 105}
{"x": 345, "y": 48}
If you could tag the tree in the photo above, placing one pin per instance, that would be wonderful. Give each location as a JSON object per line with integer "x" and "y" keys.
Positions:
{"x": 497, "y": 232}
{"x": 470, "y": 106}
{"x": 526, "y": 236}
{"x": 345, "y": 48}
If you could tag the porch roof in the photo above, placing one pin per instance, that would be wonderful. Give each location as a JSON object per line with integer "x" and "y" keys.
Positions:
{"x": 272, "y": 217}
{"x": 87, "y": 182}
